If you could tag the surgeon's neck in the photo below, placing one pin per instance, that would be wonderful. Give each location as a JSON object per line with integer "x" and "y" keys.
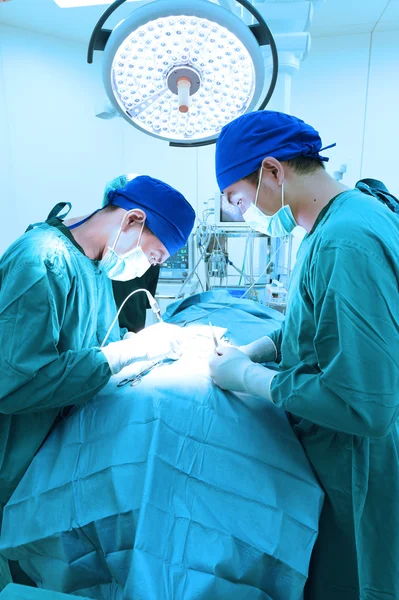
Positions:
{"x": 310, "y": 194}
{"x": 98, "y": 232}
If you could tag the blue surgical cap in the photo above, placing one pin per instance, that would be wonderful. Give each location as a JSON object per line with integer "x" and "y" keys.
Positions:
{"x": 246, "y": 141}
{"x": 169, "y": 216}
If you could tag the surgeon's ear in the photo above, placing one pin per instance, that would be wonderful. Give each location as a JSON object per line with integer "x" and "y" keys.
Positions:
{"x": 132, "y": 218}
{"x": 273, "y": 168}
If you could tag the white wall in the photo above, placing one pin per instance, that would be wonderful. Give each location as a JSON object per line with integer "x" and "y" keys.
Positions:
{"x": 348, "y": 89}
{"x": 7, "y": 169}
{"x": 52, "y": 148}
{"x": 329, "y": 92}
{"x": 146, "y": 155}
{"x": 382, "y": 122}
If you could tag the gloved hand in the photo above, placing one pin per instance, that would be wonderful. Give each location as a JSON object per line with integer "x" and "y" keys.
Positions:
{"x": 260, "y": 351}
{"x": 153, "y": 343}
{"x": 121, "y": 354}
{"x": 129, "y": 335}
{"x": 161, "y": 340}
{"x": 232, "y": 370}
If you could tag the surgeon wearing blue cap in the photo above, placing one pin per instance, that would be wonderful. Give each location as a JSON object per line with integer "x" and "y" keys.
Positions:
{"x": 338, "y": 351}
{"x": 133, "y": 312}
{"x": 57, "y": 305}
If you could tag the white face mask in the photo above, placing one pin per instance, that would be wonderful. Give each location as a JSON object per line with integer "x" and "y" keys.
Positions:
{"x": 278, "y": 225}
{"x": 128, "y": 266}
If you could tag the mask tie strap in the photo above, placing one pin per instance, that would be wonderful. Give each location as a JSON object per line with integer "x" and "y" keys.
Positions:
{"x": 117, "y": 238}
{"x": 119, "y": 233}
{"x": 259, "y": 184}
{"x": 141, "y": 233}
{"x": 282, "y": 195}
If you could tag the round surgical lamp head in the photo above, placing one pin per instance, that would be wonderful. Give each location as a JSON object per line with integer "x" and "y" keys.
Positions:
{"x": 180, "y": 70}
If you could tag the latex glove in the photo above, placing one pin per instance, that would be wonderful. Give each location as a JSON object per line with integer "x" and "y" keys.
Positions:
{"x": 129, "y": 335}
{"x": 121, "y": 354}
{"x": 153, "y": 343}
{"x": 260, "y": 351}
{"x": 232, "y": 370}
{"x": 161, "y": 340}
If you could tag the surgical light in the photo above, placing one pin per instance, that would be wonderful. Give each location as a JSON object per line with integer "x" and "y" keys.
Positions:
{"x": 181, "y": 70}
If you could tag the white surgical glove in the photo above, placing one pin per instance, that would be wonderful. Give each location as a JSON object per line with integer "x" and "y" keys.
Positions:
{"x": 232, "y": 370}
{"x": 162, "y": 340}
{"x": 129, "y": 335}
{"x": 153, "y": 343}
{"x": 121, "y": 354}
{"x": 260, "y": 351}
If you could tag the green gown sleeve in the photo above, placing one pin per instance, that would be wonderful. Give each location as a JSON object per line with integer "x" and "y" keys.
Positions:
{"x": 354, "y": 388}
{"x": 35, "y": 375}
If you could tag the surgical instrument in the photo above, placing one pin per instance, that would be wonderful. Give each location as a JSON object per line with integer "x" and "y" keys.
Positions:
{"x": 213, "y": 335}
{"x": 215, "y": 341}
{"x": 136, "y": 379}
{"x": 153, "y": 303}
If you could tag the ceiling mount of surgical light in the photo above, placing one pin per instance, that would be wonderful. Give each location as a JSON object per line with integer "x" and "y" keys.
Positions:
{"x": 180, "y": 70}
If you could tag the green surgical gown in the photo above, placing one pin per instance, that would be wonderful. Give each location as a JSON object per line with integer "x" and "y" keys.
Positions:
{"x": 339, "y": 380}
{"x": 55, "y": 309}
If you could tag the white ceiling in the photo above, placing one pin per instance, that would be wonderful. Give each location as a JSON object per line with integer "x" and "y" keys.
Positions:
{"x": 390, "y": 18}
{"x": 332, "y": 17}
{"x": 336, "y": 17}
{"x": 45, "y": 16}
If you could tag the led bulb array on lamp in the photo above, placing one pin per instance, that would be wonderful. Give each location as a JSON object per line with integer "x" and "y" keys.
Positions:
{"x": 144, "y": 60}
{"x": 180, "y": 70}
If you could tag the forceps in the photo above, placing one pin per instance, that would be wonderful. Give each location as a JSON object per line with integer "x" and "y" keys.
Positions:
{"x": 216, "y": 343}
{"x": 135, "y": 379}
{"x": 213, "y": 335}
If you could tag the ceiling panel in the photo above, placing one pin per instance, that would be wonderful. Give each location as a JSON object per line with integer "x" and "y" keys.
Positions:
{"x": 70, "y": 23}
{"x": 336, "y": 17}
{"x": 390, "y": 18}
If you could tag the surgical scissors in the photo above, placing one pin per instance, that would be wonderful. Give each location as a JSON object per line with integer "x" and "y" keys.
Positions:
{"x": 135, "y": 379}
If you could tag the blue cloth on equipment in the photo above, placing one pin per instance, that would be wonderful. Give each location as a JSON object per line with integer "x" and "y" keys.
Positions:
{"x": 169, "y": 216}
{"x": 246, "y": 141}
{"x": 173, "y": 489}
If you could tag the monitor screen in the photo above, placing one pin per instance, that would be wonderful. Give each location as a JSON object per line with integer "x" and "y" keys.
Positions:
{"x": 179, "y": 265}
